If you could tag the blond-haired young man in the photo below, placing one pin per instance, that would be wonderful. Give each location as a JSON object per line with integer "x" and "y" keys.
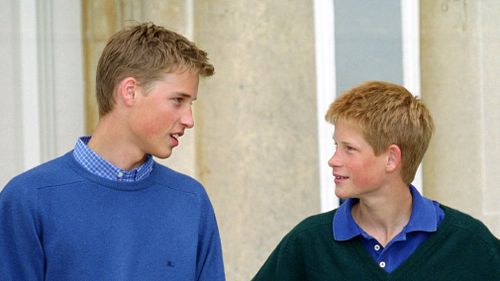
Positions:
{"x": 106, "y": 210}
{"x": 385, "y": 230}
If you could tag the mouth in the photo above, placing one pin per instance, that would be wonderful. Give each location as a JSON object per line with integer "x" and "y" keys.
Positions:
{"x": 340, "y": 179}
{"x": 176, "y": 137}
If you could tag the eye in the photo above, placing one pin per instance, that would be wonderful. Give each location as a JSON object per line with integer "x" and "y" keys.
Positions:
{"x": 178, "y": 100}
{"x": 350, "y": 148}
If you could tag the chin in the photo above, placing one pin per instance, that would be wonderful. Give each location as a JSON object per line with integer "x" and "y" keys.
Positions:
{"x": 340, "y": 194}
{"x": 162, "y": 154}
{"x": 343, "y": 197}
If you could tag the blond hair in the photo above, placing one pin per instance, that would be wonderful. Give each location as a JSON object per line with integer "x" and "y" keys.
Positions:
{"x": 387, "y": 114}
{"x": 145, "y": 52}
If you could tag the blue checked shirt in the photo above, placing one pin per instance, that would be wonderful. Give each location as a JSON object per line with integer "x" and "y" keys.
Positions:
{"x": 102, "y": 168}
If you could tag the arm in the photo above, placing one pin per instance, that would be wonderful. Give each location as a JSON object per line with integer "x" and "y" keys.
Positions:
{"x": 21, "y": 252}
{"x": 210, "y": 266}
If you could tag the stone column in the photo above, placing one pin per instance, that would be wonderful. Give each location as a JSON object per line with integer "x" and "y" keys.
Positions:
{"x": 460, "y": 70}
{"x": 256, "y": 124}
{"x": 99, "y": 23}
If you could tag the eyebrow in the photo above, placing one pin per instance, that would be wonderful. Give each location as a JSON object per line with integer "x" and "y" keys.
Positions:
{"x": 345, "y": 143}
{"x": 186, "y": 95}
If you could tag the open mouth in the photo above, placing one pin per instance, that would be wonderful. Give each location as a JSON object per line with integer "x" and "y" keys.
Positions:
{"x": 340, "y": 179}
{"x": 175, "y": 138}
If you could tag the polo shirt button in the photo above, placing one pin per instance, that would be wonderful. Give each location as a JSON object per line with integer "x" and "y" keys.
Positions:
{"x": 120, "y": 174}
{"x": 382, "y": 264}
{"x": 376, "y": 247}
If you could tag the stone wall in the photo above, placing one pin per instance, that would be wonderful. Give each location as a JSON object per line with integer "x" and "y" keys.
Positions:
{"x": 460, "y": 70}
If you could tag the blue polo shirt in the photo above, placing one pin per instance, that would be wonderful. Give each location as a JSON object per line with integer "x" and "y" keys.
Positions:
{"x": 426, "y": 215}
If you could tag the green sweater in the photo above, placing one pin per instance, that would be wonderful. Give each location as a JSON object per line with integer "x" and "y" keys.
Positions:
{"x": 461, "y": 249}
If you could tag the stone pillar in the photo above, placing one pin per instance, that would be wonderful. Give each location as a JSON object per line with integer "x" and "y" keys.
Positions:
{"x": 99, "y": 22}
{"x": 256, "y": 124}
{"x": 460, "y": 70}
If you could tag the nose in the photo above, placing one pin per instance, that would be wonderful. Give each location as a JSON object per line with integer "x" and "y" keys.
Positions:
{"x": 334, "y": 160}
{"x": 187, "y": 118}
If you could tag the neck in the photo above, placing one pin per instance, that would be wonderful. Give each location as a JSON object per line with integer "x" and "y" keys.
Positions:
{"x": 109, "y": 143}
{"x": 385, "y": 216}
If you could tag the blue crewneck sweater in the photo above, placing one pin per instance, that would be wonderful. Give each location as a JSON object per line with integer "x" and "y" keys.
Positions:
{"x": 60, "y": 222}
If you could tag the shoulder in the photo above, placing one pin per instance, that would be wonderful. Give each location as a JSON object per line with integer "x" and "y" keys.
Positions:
{"x": 177, "y": 181}
{"x": 316, "y": 227}
{"x": 307, "y": 242}
{"x": 52, "y": 173}
{"x": 462, "y": 220}
{"x": 22, "y": 190}
{"x": 316, "y": 221}
{"x": 470, "y": 228}
{"x": 459, "y": 237}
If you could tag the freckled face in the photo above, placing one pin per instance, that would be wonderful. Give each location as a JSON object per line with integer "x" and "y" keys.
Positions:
{"x": 356, "y": 169}
{"x": 160, "y": 116}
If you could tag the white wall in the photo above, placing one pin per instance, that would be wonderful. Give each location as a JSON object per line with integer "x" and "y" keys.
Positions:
{"x": 10, "y": 152}
{"x": 41, "y": 66}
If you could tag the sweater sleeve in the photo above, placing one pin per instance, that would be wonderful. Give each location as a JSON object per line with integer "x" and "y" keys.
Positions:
{"x": 209, "y": 260}
{"x": 21, "y": 252}
{"x": 284, "y": 263}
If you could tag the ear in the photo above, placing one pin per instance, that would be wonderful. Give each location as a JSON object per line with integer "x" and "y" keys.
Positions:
{"x": 126, "y": 90}
{"x": 393, "y": 158}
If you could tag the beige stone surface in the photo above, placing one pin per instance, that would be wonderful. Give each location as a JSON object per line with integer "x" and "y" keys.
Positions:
{"x": 256, "y": 134}
{"x": 490, "y": 79}
{"x": 460, "y": 70}
{"x": 99, "y": 23}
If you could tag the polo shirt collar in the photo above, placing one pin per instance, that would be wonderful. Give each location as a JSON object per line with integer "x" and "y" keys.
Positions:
{"x": 423, "y": 218}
